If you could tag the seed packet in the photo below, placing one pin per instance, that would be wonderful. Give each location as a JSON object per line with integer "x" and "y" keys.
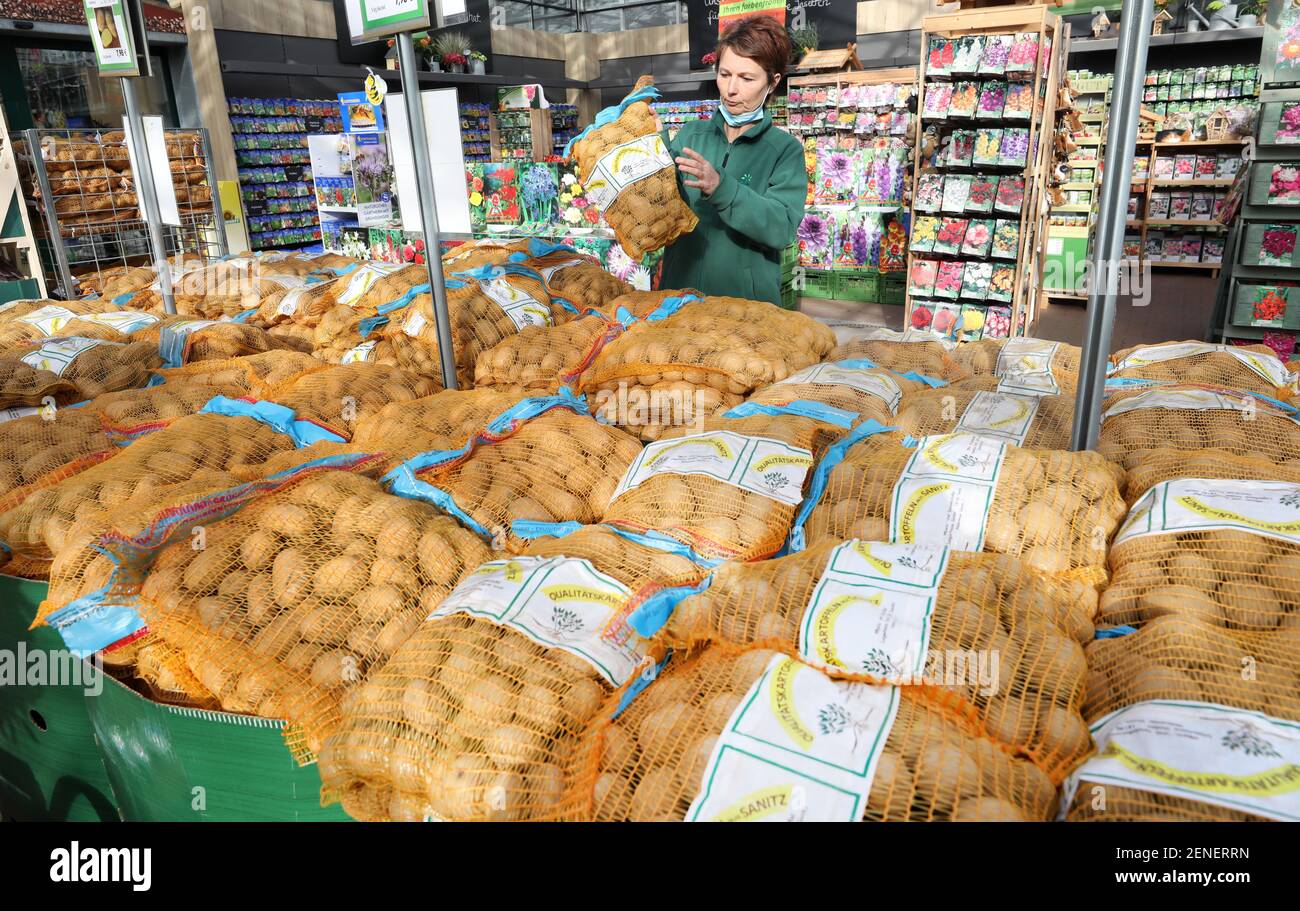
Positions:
{"x": 947, "y": 284}
{"x": 922, "y": 277}
{"x": 1164, "y": 169}
{"x": 942, "y": 55}
{"x": 1202, "y": 206}
{"x": 1192, "y": 247}
{"x": 1019, "y": 101}
{"x": 956, "y": 190}
{"x": 965, "y": 96}
{"x": 1003, "y": 283}
{"x": 1184, "y": 167}
{"x": 1154, "y": 247}
{"x": 838, "y": 174}
{"x": 1015, "y": 147}
{"x": 1212, "y": 250}
{"x": 988, "y": 146}
{"x": 952, "y": 232}
{"x": 992, "y": 99}
{"x": 1180, "y": 206}
{"x": 929, "y": 193}
{"x": 970, "y": 49}
{"x": 1024, "y": 53}
{"x": 925, "y": 228}
{"x": 938, "y": 97}
{"x": 1006, "y": 240}
{"x": 1226, "y": 167}
{"x": 1158, "y": 207}
{"x": 1171, "y": 250}
{"x": 978, "y": 238}
{"x": 1206, "y": 167}
{"x": 971, "y": 328}
{"x": 997, "y": 51}
{"x": 1132, "y": 246}
{"x": 975, "y": 281}
{"x": 945, "y": 320}
{"x": 997, "y": 322}
{"x": 982, "y": 192}
{"x": 962, "y": 148}
{"x": 1011, "y": 194}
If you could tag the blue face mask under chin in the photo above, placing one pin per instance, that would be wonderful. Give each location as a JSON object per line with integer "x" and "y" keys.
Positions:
{"x": 739, "y": 120}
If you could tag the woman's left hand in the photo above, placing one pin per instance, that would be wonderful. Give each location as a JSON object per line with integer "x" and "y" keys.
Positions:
{"x": 694, "y": 165}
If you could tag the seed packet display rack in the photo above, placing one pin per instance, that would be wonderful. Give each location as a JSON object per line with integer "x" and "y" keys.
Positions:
{"x": 1045, "y": 79}
{"x": 85, "y": 214}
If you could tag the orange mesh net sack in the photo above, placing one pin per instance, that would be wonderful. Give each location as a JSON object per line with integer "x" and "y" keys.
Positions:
{"x": 133, "y": 413}
{"x": 53, "y": 321}
{"x": 47, "y": 447}
{"x": 870, "y": 393}
{"x": 168, "y": 679}
{"x": 702, "y": 356}
{"x": 903, "y": 354}
{"x": 1192, "y": 417}
{"x": 629, "y": 175}
{"x": 555, "y": 464}
{"x": 1024, "y": 365}
{"x": 976, "y": 405}
{"x": 258, "y": 374}
{"x": 1251, "y": 368}
{"x": 20, "y": 308}
{"x": 209, "y": 292}
{"x": 578, "y": 279}
{"x": 338, "y": 397}
{"x": 755, "y": 735}
{"x": 181, "y": 340}
{"x": 301, "y": 595}
{"x": 1053, "y": 510}
{"x": 544, "y": 358}
{"x": 479, "y": 715}
{"x": 729, "y": 492}
{"x": 442, "y": 421}
{"x": 302, "y": 306}
{"x": 292, "y": 337}
{"x": 91, "y": 366}
{"x": 999, "y": 637}
{"x": 485, "y": 251}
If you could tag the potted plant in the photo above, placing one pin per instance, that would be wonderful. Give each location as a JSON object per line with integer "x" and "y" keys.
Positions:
{"x": 802, "y": 40}
{"x": 477, "y": 63}
{"x": 1249, "y": 12}
{"x": 451, "y": 49}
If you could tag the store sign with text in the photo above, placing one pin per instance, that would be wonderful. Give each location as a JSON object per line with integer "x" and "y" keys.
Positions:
{"x": 836, "y": 21}
{"x": 371, "y": 19}
{"x": 113, "y": 25}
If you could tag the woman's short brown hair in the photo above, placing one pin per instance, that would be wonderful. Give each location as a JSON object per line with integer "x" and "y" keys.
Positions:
{"x": 760, "y": 38}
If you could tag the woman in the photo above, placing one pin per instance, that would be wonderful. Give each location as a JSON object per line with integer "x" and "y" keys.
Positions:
{"x": 742, "y": 177}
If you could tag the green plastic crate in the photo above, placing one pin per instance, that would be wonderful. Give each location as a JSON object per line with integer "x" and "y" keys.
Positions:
{"x": 789, "y": 259}
{"x": 789, "y": 297}
{"x": 893, "y": 288}
{"x": 1243, "y": 306}
{"x": 857, "y": 285}
{"x": 818, "y": 283}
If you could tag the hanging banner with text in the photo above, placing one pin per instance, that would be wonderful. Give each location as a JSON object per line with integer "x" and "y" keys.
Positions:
{"x": 836, "y": 21}
{"x": 731, "y": 11}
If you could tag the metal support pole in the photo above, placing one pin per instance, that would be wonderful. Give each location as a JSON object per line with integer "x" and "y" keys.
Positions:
{"x": 1108, "y": 251}
{"x": 218, "y": 216}
{"x": 428, "y": 205}
{"x": 145, "y": 192}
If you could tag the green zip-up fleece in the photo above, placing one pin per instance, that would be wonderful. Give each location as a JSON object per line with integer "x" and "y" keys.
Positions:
{"x": 750, "y": 218}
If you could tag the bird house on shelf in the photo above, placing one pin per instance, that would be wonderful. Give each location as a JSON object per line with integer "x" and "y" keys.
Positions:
{"x": 1149, "y": 123}
{"x": 1218, "y": 127}
{"x": 841, "y": 60}
{"x": 1100, "y": 24}
{"x": 1162, "y": 19}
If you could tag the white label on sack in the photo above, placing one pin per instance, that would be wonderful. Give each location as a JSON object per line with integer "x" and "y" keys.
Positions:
{"x": 288, "y": 305}
{"x": 755, "y": 464}
{"x": 1213, "y": 754}
{"x": 1025, "y": 366}
{"x": 1188, "y": 399}
{"x": 360, "y": 354}
{"x": 1267, "y": 508}
{"x": 881, "y": 334}
{"x": 58, "y": 354}
{"x": 800, "y": 747}
{"x": 625, "y": 165}
{"x": 12, "y": 304}
{"x": 125, "y": 321}
{"x": 288, "y": 282}
{"x": 1267, "y": 366}
{"x": 363, "y": 279}
{"x": 1000, "y": 414}
{"x": 861, "y": 379}
{"x": 943, "y": 496}
{"x": 547, "y": 272}
{"x": 13, "y": 414}
{"x": 558, "y": 602}
{"x": 415, "y": 323}
{"x": 872, "y": 608}
{"x": 523, "y": 309}
{"x": 48, "y": 320}
{"x": 274, "y": 256}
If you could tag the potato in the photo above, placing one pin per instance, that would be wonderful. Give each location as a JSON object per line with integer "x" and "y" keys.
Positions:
{"x": 945, "y": 774}
{"x": 379, "y": 603}
{"x": 340, "y": 578}
{"x": 1249, "y": 604}
{"x": 653, "y": 795}
{"x": 259, "y": 548}
{"x": 987, "y": 809}
{"x": 656, "y": 729}
{"x": 290, "y": 581}
{"x": 288, "y": 519}
{"x": 1179, "y": 600}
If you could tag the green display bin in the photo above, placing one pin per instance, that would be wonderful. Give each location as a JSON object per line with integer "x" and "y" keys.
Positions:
{"x": 1065, "y": 264}
{"x": 857, "y": 285}
{"x": 789, "y": 297}
{"x": 818, "y": 283}
{"x": 1244, "y": 296}
{"x": 1261, "y": 180}
{"x": 1252, "y": 245}
{"x": 19, "y": 289}
{"x": 893, "y": 288}
{"x": 50, "y": 766}
{"x": 789, "y": 259}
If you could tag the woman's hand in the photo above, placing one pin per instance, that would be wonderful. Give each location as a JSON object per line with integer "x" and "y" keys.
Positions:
{"x": 694, "y": 165}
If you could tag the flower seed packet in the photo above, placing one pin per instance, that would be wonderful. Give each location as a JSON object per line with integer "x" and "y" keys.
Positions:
{"x": 971, "y": 328}
{"x": 1011, "y": 194}
{"x": 922, "y": 277}
{"x": 975, "y": 281}
{"x": 929, "y": 192}
{"x": 1206, "y": 167}
{"x": 1202, "y": 206}
{"x": 947, "y": 284}
{"x": 1015, "y": 147}
{"x": 1184, "y": 167}
{"x": 1171, "y": 250}
{"x": 997, "y": 322}
{"x": 983, "y": 190}
{"x": 946, "y": 319}
{"x": 988, "y": 146}
{"x": 1164, "y": 169}
{"x": 956, "y": 190}
{"x": 942, "y": 54}
{"x": 965, "y": 96}
{"x": 970, "y": 49}
{"x": 992, "y": 99}
{"x": 1226, "y": 166}
{"x": 1180, "y": 205}
{"x": 1002, "y": 283}
{"x": 924, "y": 231}
{"x": 1024, "y": 53}
{"x": 978, "y": 239}
{"x": 938, "y": 97}
{"x": 1019, "y": 101}
{"x": 1154, "y": 247}
{"x": 1212, "y": 250}
{"x": 997, "y": 51}
{"x": 1192, "y": 245}
{"x": 952, "y": 232}
{"x": 1006, "y": 240}
{"x": 961, "y": 149}
{"x": 1158, "y": 207}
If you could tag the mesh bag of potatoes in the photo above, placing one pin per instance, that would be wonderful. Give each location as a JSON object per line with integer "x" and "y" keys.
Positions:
{"x": 1193, "y": 417}
{"x": 479, "y": 715}
{"x": 302, "y": 594}
{"x": 56, "y": 321}
{"x": 445, "y": 420}
{"x": 19, "y": 308}
{"x": 90, "y": 366}
{"x": 181, "y": 340}
{"x": 259, "y": 375}
{"x": 755, "y": 735}
{"x": 1023, "y": 365}
{"x": 632, "y": 306}
{"x": 926, "y": 356}
{"x": 1250, "y": 368}
{"x": 1004, "y": 639}
{"x": 1053, "y": 510}
{"x": 378, "y": 352}
{"x": 544, "y": 358}
{"x": 486, "y": 251}
{"x": 371, "y": 285}
{"x": 629, "y": 175}
{"x": 338, "y": 397}
{"x": 557, "y": 464}
{"x": 728, "y": 492}
{"x": 300, "y": 306}
{"x": 168, "y": 679}
{"x": 976, "y": 405}
{"x": 43, "y": 449}
{"x": 706, "y": 355}
{"x": 293, "y": 337}
{"x": 572, "y": 278}
{"x": 1211, "y": 538}
{"x": 872, "y": 393}
{"x": 209, "y": 292}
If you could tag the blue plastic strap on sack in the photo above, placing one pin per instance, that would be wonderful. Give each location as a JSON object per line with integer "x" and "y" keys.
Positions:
{"x": 818, "y": 411}
{"x": 123, "y": 299}
{"x": 277, "y": 417}
{"x": 530, "y": 529}
{"x": 539, "y": 247}
{"x": 667, "y": 308}
{"x": 154, "y": 380}
{"x": 341, "y": 271}
{"x": 452, "y": 284}
{"x": 402, "y": 482}
{"x": 405, "y": 299}
{"x": 660, "y": 541}
{"x": 930, "y": 381}
{"x": 821, "y": 476}
{"x": 6, "y": 548}
{"x": 863, "y": 363}
{"x": 370, "y": 324}
{"x": 567, "y": 305}
{"x": 1119, "y": 382}
{"x": 94, "y": 621}
{"x": 1114, "y": 632}
{"x": 171, "y": 347}
{"x": 639, "y": 683}
{"x": 242, "y": 317}
{"x": 651, "y": 615}
{"x": 612, "y": 113}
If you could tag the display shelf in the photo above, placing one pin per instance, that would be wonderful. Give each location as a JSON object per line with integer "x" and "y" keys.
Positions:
{"x": 1185, "y": 223}
{"x": 1172, "y": 265}
{"x": 1192, "y": 183}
